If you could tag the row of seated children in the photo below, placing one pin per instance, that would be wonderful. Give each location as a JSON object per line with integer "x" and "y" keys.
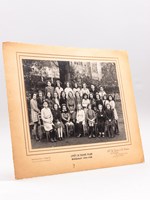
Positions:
{"x": 99, "y": 120}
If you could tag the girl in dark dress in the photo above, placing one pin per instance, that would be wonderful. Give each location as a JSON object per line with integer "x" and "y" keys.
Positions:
{"x": 92, "y": 100}
{"x": 58, "y": 121}
{"x": 40, "y": 100}
{"x": 71, "y": 105}
{"x": 101, "y": 121}
{"x": 78, "y": 99}
{"x": 62, "y": 98}
{"x": 66, "y": 120}
{"x": 56, "y": 99}
{"x": 91, "y": 121}
{"x": 98, "y": 100}
{"x": 71, "y": 102}
{"x": 49, "y": 88}
{"x": 109, "y": 124}
{"x": 93, "y": 90}
{"x": 105, "y": 101}
{"x": 49, "y": 100}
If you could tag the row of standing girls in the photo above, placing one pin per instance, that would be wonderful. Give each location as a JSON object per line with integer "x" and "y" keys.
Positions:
{"x": 73, "y": 112}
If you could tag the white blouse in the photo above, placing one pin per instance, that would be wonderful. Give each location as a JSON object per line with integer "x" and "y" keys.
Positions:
{"x": 84, "y": 91}
{"x": 58, "y": 90}
{"x": 102, "y": 93}
{"x": 67, "y": 90}
{"x": 80, "y": 116}
{"x": 47, "y": 118}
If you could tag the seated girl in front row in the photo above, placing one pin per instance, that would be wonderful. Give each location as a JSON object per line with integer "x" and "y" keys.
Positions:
{"x": 91, "y": 116}
{"x": 47, "y": 118}
{"x": 66, "y": 120}
{"x": 58, "y": 121}
{"x": 109, "y": 124}
{"x": 101, "y": 121}
{"x": 80, "y": 120}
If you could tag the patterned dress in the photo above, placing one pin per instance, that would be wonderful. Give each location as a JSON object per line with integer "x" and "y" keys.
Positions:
{"x": 34, "y": 110}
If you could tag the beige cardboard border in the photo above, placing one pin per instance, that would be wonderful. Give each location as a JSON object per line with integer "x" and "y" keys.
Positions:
{"x": 29, "y": 163}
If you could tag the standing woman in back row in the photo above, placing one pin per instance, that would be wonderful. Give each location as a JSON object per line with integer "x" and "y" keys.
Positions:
{"x": 84, "y": 90}
{"x": 102, "y": 92}
{"x": 34, "y": 114}
{"x": 49, "y": 88}
{"x": 76, "y": 88}
{"x": 58, "y": 88}
{"x": 67, "y": 89}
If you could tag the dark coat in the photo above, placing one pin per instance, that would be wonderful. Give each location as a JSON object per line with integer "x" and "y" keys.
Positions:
{"x": 101, "y": 116}
{"x": 40, "y": 102}
{"x": 109, "y": 114}
{"x": 99, "y": 102}
{"x": 56, "y": 115}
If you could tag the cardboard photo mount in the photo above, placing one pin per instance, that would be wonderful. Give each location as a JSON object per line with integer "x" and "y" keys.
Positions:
{"x": 29, "y": 162}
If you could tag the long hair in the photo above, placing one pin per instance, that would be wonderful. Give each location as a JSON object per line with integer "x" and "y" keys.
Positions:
{"x": 62, "y": 108}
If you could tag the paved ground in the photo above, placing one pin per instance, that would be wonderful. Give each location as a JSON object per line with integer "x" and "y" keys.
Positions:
{"x": 85, "y": 140}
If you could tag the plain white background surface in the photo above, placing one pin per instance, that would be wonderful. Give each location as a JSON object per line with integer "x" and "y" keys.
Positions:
{"x": 107, "y": 24}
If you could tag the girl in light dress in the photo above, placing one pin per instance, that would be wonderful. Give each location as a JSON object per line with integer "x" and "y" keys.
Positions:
{"x": 58, "y": 88}
{"x": 102, "y": 92}
{"x": 76, "y": 88}
{"x": 47, "y": 118}
{"x": 84, "y": 90}
{"x": 67, "y": 89}
{"x": 80, "y": 120}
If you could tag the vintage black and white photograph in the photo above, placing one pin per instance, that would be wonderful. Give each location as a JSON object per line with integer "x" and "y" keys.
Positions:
{"x": 72, "y": 102}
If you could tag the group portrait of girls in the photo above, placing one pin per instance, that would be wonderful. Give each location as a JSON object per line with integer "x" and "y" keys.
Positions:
{"x": 60, "y": 112}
